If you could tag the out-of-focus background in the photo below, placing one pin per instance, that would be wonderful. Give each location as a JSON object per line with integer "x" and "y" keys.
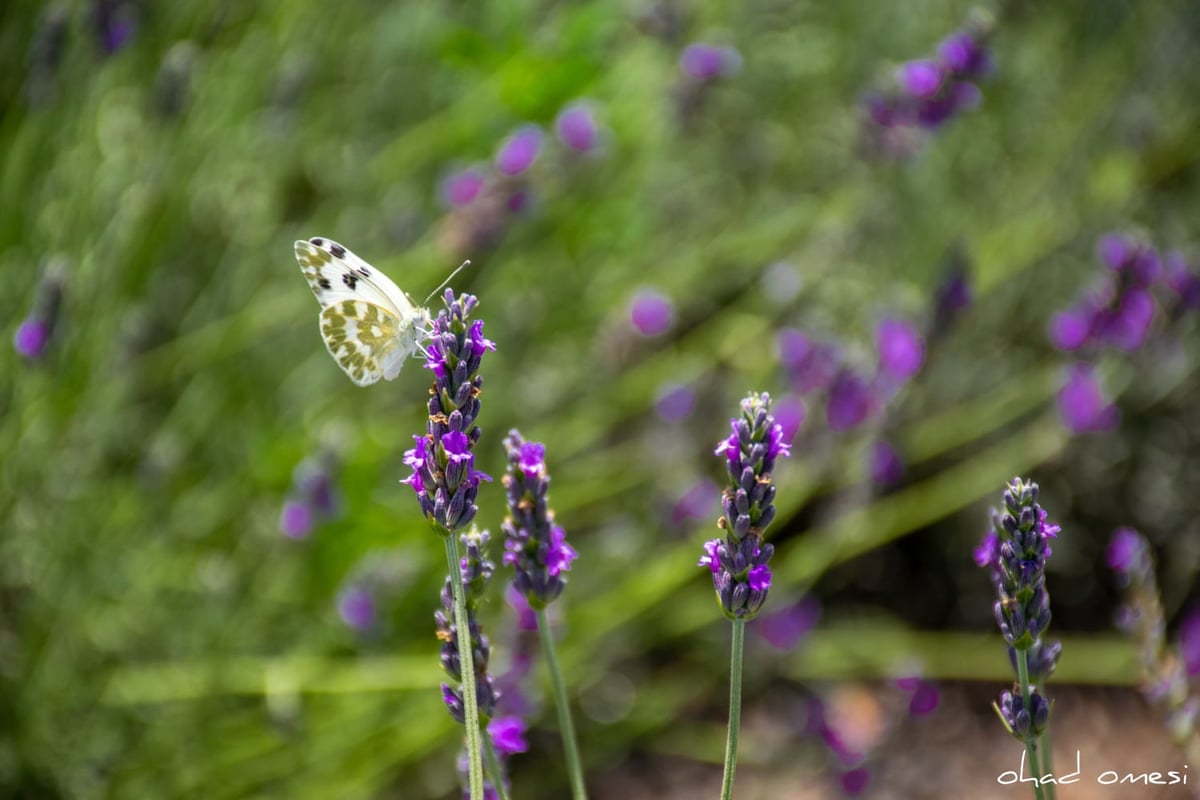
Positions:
{"x": 211, "y": 583}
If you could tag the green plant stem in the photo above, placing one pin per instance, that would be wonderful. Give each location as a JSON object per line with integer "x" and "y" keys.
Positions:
{"x": 735, "y": 706}
{"x": 466, "y": 658}
{"x": 494, "y": 769}
{"x": 567, "y": 727}
{"x": 1030, "y": 740}
{"x": 1046, "y": 747}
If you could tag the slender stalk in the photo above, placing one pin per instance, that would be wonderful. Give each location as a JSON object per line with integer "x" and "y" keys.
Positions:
{"x": 735, "y": 706}
{"x": 493, "y": 767}
{"x": 565, "y": 724}
{"x": 1046, "y": 747}
{"x": 466, "y": 658}
{"x": 1030, "y": 741}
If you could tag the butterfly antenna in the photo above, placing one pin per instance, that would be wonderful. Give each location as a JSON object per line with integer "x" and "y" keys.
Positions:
{"x": 457, "y": 270}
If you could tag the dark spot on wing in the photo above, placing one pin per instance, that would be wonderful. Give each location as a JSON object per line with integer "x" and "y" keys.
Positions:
{"x": 350, "y": 279}
{"x": 366, "y": 273}
{"x": 324, "y": 283}
{"x": 337, "y": 250}
{"x": 317, "y": 240}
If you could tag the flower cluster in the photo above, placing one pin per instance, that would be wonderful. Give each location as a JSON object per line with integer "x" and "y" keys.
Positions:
{"x": 1118, "y": 313}
{"x": 1015, "y": 553}
{"x": 34, "y": 334}
{"x": 482, "y": 200}
{"x": 930, "y": 91}
{"x": 738, "y": 562}
{"x": 1164, "y": 670}
{"x": 1082, "y": 404}
{"x": 442, "y": 461}
{"x": 853, "y": 398}
{"x": 477, "y": 572}
{"x": 534, "y": 545}
{"x": 313, "y": 498}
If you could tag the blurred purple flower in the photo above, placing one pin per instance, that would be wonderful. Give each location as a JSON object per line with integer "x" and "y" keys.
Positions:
{"x": 924, "y": 699}
{"x": 356, "y": 607}
{"x": 508, "y": 734}
{"x": 1123, "y": 550}
{"x": 518, "y": 152}
{"x": 1069, "y": 329}
{"x": 850, "y": 401}
{"x": 697, "y": 503}
{"x": 1115, "y": 249}
{"x": 785, "y": 628}
{"x": 789, "y": 413}
{"x": 703, "y": 62}
{"x": 461, "y": 187}
{"x": 855, "y": 781}
{"x": 1189, "y": 641}
{"x": 576, "y": 127}
{"x": 526, "y": 616}
{"x": 952, "y": 295}
{"x": 31, "y": 338}
{"x": 651, "y": 312}
{"x": 1180, "y": 278}
{"x": 962, "y": 56}
{"x": 1082, "y": 405}
{"x": 886, "y": 468}
{"x": 674, "y": 402}
{"x": 115, "y": 22}
{"x": 921, "y": 78}
{"x": 812, "y": 365}
{"x": 296, "y": 519}
{"x": 901, "y": 348}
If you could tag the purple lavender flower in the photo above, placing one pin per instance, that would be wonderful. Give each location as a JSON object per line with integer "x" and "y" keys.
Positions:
{"x": 703, "y": 62}
{"x": 35, "y": 333}
{"x": 790, "y": 412}
{"x": 785, "y": 628}
{"x": 518, "y": 152}
{"x": 812, "y": 365}
{"x": 953, "y": 294}
{"x": 1182, "y": 280}
{"x": 921, "y": 79}
{"x": 114, "y": 22}
{"x": 962, "y": 56}
{"x": 738, "y": 562}
{"x": 313, "y": 498}
{"x": 855, "y": 781}
{"x": 576, "y": 127}
{"x": 850, "y": 401}
{"x": 886, "y": 468}
{"x": 1082, "y": 405}
{"x": 674, "y": 402}
{"x": 462, "y": 186}
{"x": 442, "y": 461}
{"x": 31, "y": 339}
{"x": 1015, "y": 555}
{"x": 695, "y": 504}
{"x": 651, "y": 312}
{"x": 1126, "y": 551}
{"x": 356, "y": 607}
{"x": 534, "y": 546}
{"x": 1189, "y": 641}
{"x": 901, "y": 348}
{"x": 477, "y": 572}
{"x": 923, "y": 699}
{"x": 1069, "y": 330}
{"x": 296, "y": 519}
{"x": 508, "y": 734}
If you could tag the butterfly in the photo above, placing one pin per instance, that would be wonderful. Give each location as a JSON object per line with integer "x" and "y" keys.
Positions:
{"x": 369, "y": 324}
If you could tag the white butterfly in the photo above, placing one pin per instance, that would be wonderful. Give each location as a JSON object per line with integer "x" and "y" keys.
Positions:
{"x": 369, "y": 324}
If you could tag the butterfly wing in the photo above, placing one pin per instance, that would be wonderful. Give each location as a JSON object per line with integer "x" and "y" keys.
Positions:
{"x": 370, "y": 326}
{"x": 367, "y": 340}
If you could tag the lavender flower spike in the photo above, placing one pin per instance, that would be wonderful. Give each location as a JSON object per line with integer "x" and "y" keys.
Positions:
{"x": 738, "y": 562}
{"x": 442, "y": 461}
{"x": 1015, "y": 553}
{"x": 534, "y": 546}
{"x": 477, "y": 572}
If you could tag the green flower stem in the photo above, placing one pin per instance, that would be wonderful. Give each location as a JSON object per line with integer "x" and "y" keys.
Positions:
{"x": 735, "y": 706}
{"x": 1045, "y": 746}
{"x": 565, "y": 724}
{"x": 1030, "y": 741}
{"x": 494, "y": 769}
{"x": 466, "y": 658}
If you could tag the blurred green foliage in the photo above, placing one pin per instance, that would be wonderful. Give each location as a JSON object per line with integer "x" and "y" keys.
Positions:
{"x": 160, "y": 638}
